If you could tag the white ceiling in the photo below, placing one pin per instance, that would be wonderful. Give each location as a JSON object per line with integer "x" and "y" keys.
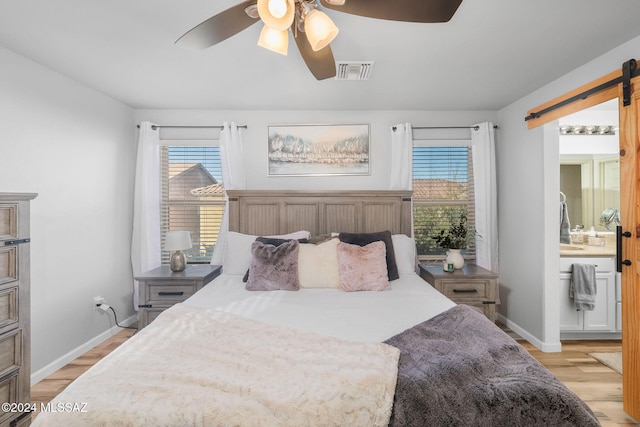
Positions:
{"x": 490, "y": 54}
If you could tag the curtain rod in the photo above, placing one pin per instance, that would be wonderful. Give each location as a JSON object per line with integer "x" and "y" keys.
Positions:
{"x": 154, "y": 127}
{"x": 446, "y": 127}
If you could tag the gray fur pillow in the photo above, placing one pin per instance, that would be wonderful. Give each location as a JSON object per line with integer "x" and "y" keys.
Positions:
{"x": 274, "y": 267}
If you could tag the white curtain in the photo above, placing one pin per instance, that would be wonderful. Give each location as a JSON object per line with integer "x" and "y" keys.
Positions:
{"x": 233, "y": 178}
{"x": 400, "y": 177}
{"x": 486, "y": 197}
{"x": 145, "y": 239}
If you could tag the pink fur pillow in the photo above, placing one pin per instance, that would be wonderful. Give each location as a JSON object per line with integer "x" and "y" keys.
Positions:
{"x": 363, "y": 268}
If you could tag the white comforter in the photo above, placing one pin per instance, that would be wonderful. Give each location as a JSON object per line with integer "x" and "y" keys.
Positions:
{"x": 232, "y": 357}
{"x": 353, "y": 316}
{"x": 199, "y": 367}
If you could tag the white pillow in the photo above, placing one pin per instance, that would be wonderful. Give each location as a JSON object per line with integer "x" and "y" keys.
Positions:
{"x": 237, "y": 250}
{"x": 405, "y": 250}
{"x": 318, "y": 264}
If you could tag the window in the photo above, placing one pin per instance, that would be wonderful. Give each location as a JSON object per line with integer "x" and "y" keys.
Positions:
{"x": 193, "y": 197}
{"x": 442, "y": 192}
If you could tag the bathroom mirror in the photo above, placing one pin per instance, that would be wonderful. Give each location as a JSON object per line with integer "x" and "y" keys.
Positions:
{"x": 589, "y": 164}
{"x": 591, "y": 184}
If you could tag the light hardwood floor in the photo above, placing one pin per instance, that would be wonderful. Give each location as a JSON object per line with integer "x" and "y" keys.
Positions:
{"x": 596, "y": 384}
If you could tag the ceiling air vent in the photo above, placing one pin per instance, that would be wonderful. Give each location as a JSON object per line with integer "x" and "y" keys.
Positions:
{"x": 353, "y": 70}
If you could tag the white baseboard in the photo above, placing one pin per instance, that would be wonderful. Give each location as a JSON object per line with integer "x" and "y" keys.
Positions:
{"x": 541, "y": 345}
{"x": 62, "y": 361}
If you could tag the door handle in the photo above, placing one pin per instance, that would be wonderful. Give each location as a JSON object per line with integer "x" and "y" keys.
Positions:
{"x": 619, "y": 236}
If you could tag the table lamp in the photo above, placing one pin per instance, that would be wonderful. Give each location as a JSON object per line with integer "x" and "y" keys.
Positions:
{"x": 177, "y": 241}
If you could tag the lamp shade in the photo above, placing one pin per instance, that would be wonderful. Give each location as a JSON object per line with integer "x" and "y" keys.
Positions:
{"x": 177, "y": 240}
{"x": 274, "y": 40}
{"x": 277, "y": 14}
{"x": 320, "y": 29}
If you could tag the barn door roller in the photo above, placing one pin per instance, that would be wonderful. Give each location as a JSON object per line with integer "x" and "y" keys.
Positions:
{"x": 628, "y": 71}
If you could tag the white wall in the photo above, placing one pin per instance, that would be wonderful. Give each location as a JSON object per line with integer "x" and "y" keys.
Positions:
{"x": 76, "y": 148}
{"x": 528, "y": 181}
{"x": 255, "y": 138}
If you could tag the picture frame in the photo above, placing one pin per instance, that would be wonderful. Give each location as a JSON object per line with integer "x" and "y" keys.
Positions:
{"x": 319, "y": 150}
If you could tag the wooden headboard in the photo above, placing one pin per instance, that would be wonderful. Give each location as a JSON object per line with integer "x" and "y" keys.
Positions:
{"x": 273, "y": 212}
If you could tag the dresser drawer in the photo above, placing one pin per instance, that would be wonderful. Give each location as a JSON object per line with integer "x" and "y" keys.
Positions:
{"x": 8, "y": 394}
{"x": 463, "y": 289}
{"x": 8, "y": 221}
{"x": 10, "y": 352}
{"x": 8, "y": 309}
{"x": 169, "y": 292}
{"x": 8, "y": 264}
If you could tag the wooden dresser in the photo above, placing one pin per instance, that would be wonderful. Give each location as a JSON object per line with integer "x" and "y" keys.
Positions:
{"x": 161, "y": 288}
{"x": 471, "y": 285}
{"x": 15, "y": 345}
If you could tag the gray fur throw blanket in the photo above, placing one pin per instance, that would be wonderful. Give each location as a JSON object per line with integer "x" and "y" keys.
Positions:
{"x": 459, "y": 369}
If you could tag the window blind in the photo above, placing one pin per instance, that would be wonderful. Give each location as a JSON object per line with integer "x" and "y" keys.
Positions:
{"x": 193, "y": 197}
{"x": 442, "y": 193}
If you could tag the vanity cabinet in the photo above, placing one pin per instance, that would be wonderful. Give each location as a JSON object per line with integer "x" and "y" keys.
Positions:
{"x": 600, "y": 322}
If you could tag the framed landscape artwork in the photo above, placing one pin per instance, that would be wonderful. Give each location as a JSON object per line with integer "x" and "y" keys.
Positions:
{"x": 319, "y": 150}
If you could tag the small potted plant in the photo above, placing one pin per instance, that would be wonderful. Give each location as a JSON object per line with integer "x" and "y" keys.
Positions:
{"x": 456, "y": 238}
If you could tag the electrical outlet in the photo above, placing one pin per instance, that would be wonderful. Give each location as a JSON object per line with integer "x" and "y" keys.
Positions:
{"x": 97, "y": 301}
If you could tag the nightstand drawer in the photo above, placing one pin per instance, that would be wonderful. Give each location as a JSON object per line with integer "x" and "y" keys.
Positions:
{"x": 148, "y": 315}
{"x": 169, "y": 292}
{"x": 472, "y": 289}
{"x": 161, "y": 288}
{"x": 486, "y": 307}
{"x": 471, "y": 285}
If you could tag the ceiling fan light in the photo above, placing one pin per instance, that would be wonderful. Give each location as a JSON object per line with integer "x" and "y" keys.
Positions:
{"x": 277, "y": 14}
{"x": 274, "y": 40}
{"x": 277, "y": 8}
{"x": 320, "y": 29}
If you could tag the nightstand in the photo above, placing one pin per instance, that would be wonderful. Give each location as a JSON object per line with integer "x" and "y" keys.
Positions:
{"x": 161, "y": 288}
{"x": 471, "y": 285}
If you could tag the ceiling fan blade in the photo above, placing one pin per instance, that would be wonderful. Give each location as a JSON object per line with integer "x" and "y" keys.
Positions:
{"x": 400, "y": 10}
{"x": 321, "y": 62}
{"x": 219, "y": 27}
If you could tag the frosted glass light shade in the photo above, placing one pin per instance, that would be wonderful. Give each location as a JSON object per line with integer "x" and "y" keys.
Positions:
{"x": 177, "y": 240}
{"x": 277, "y": 8}
{"x": 320, "y": 29}
{"x": 274, "y": 40}
{"x": 271, "y": 19}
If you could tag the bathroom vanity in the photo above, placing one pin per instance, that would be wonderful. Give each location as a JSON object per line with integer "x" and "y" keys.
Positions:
{"x": 604, "y": 322}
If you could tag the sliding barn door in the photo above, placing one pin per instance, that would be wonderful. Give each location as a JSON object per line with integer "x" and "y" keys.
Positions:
{"x": 630, "y": 216}
{"x": 601, "y": 90}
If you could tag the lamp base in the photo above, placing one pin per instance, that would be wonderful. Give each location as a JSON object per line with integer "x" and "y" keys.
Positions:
{"x": 178, "y": 261}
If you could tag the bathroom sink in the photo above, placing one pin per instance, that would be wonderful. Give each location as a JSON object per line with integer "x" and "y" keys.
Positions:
{"x": 566, "y": 247}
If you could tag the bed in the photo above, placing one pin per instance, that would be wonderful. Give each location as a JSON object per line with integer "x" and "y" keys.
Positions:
{"x": 361, "y": 341}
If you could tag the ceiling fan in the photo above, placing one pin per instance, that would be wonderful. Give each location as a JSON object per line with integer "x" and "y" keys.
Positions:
{"x": 312, "y": 29}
